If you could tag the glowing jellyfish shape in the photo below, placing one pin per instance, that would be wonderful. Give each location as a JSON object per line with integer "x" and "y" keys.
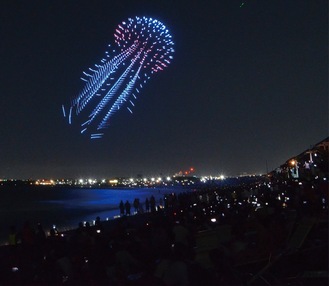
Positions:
{"x": 144, "y": 47}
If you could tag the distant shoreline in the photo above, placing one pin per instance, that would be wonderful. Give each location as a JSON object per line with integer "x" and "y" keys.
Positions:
{"x": 46, "y": 187}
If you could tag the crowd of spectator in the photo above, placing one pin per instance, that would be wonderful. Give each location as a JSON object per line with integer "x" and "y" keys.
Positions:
{"x": 157, "y": 242}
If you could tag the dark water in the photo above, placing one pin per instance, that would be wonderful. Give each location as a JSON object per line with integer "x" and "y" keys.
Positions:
{"x": 65, "y": 208}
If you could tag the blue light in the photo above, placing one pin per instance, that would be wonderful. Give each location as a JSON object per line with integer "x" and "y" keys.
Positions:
{"x": 99, "y": 98}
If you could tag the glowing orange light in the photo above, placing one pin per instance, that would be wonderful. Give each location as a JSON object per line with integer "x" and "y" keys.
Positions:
{"x": 293, "y": 162}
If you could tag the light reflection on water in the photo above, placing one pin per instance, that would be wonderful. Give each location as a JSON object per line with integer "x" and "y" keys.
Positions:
{"x": 67, "y": 207}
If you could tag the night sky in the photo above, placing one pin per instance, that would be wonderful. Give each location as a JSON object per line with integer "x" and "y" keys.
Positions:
{"x": 247, "y": 88}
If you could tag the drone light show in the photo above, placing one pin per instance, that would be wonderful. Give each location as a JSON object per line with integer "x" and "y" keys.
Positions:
{"x": 143, "y": 47}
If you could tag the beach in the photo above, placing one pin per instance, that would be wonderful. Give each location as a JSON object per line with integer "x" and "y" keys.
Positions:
{"x": 66, "y": 207}
{"x": 235, "y": 235}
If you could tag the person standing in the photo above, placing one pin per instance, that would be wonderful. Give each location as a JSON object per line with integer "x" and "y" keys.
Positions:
{"x": 136, "y": 205}
{"x": 122, "y": 208}
{"x": 127, "y": 206}
{"x": 147, "y": 205}
{"x": 152, "y": 203}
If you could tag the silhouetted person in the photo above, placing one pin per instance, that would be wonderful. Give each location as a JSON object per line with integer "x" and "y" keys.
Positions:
{"x": 152, "y": 204}
{"x": 98, "y": 221}
{"x": 127, "y": 207}
{"x": 40, "y": 242}
{"x": 40, "y": 235}
{"x": 98, "y": 225}
{"x": 136, "y": 205}
{"x": 28, "y": 234}
{"x": 122, "y": 208}
{"x": 147, "y": 205}
{"x": 88, "y": 229}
